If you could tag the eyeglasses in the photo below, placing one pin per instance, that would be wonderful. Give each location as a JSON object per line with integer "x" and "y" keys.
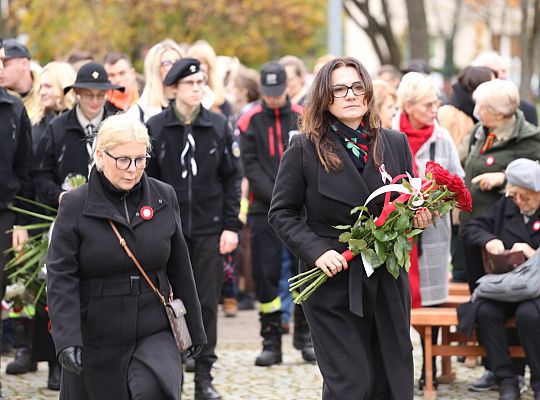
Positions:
{"x": 431, "y": 105}
{"x": 167, "y": 63}
{"x": 518, "y": 196}
{"x": 342, "y": 90}
{"x": 200, "y": 83}
{"x": 90, "y": 96}
{"x": 124, "y": 163}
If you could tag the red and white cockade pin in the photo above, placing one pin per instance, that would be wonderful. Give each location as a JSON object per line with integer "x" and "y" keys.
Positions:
{"x": 490, "y": 160}
{"x": 146, "y": 213}
{"x": 536, "y": 226}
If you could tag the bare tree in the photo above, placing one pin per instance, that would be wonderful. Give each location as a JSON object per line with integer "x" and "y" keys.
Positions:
{"x": 379, "y": 32}
{"x": 530, "y": 40}
{"x": 449, "y": 68}
{"x": 418, "y": 35}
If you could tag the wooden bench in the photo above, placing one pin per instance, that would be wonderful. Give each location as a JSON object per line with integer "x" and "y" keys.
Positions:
{"x": 453, "y": 343}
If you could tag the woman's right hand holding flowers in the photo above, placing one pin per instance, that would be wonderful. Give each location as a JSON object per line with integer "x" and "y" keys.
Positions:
{"x": 331, "y": 262}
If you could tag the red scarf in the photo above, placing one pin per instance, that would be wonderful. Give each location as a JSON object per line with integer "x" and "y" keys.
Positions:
{"x": 416, "y": 137}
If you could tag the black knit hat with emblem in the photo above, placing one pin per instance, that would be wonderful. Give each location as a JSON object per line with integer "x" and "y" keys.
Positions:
{"x": 181, "y": 69}
{"x": 93, "y": 76}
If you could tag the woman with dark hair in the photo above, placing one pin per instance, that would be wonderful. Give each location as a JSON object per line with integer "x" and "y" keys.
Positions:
{"x": 359, "y": 324}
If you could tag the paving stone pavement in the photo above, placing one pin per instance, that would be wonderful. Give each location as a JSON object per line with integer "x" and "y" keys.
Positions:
{"x": 237, "y": 378}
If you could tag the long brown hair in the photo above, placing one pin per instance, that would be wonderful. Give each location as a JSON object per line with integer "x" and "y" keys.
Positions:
{"x": 316, "y": 117}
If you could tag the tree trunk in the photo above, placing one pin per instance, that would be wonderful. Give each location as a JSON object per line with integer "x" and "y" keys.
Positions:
{"x": 530, "y": 40}
{"x": 390, "y": 53}
{"x": 418, "y": 36}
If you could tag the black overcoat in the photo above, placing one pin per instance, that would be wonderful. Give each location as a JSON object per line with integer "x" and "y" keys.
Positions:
{"x": 307, "y": 202}
{"x": 501, "y": 221}
{"x": 92, "y": 292}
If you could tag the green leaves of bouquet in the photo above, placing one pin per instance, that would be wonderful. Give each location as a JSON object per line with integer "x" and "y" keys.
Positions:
{"x": 26, "y": 268}
{"x": 389, "y": 244}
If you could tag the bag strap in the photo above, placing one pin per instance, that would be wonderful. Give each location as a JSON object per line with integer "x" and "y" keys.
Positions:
{"x": 130, "y": 255}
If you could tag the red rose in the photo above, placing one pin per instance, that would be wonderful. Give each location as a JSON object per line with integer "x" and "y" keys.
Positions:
{"x": 464, "y": 201}
{"x": 441, "y": 176}
{"x": 456, "y": 185}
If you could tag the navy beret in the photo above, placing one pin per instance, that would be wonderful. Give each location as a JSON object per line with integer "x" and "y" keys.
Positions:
{"x": 181, "y": 69}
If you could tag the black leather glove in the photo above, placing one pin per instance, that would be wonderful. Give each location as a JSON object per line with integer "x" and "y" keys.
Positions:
{"x": 70, "y": 359}
{"x": 194, "y": 350}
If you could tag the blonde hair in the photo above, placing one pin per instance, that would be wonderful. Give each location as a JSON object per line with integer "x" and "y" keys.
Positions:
{"x": 62, "y": 74}
{"x": 154, "y": 91}
{"x": 501, "y": 96}
{"x": 202, "y": 51}
{"x": 120, "y": 129}
{"x": 381, "y": 90}
{"x": 413, "y": 87}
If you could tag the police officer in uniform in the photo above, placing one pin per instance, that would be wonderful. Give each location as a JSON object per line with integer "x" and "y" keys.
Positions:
{"x": 194, "y": 151}
{"x": 15, "y": 163}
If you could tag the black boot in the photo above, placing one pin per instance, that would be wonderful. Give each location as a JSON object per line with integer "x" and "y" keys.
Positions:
{"x": 22, "y": 363}
{"x": 302, "y": 336}
{"x": 204, "y": 390}
{"x": 271, "y": 333}
{"x": 55, "y": 371}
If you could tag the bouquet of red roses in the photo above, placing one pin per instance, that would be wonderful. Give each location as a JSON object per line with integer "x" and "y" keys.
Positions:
{"x": 388, "y": 239}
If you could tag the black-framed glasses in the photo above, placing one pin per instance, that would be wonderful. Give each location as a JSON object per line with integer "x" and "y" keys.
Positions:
{"x": 124, "y": 163}
{"x": 342, "y": 90}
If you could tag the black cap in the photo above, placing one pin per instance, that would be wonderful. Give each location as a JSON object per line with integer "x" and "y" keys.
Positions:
{"x": 181, "y": 69}
{"x": 15, "y": 49}
{"x": 273, "y": 79}
{"x": 93, "y": 76}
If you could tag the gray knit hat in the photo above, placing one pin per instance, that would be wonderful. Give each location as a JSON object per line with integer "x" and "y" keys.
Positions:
{"x": 524, "y": 173}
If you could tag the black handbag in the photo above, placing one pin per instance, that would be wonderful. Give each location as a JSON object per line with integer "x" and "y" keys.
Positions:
{"x": 174, "y": 308}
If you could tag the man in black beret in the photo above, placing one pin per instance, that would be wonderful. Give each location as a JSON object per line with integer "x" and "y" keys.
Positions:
{"x": 194, "y": 151}
{"x": 20, "y": 76}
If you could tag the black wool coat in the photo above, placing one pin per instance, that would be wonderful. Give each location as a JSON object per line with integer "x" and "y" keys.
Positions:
{"x": 306, "y": 203}
{"x": 501, "y": 221}
{"x": 93, "y": 289}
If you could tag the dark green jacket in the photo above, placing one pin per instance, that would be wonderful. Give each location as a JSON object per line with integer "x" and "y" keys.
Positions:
{"x": 523, "y": 143}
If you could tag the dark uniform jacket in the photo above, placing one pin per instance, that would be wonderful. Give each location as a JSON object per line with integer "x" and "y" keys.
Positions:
{"x": 61, "y": 152}
{"x": 97, "y": 299}
{"x": 264, "y": 136}
{"x": 501, "y": 221}
{"x": 15, "y": 150}
{"x": 209, "y": 201}
{"x": 38, "y": 130}
{"x": 307, "y": 203}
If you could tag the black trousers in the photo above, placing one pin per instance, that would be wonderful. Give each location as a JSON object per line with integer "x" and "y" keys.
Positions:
{"x": 7, "y": 219}
{"x": 207, "y": 264}
{"x": 142, "y": 382}
{"x": 266, "y": 258}
{"x": 491, "y": 317}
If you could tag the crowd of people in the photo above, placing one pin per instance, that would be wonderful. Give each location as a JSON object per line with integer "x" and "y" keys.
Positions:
{"x": 224, "y": 180}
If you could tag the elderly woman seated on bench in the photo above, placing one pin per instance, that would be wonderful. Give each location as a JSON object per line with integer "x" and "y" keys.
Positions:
{"x": 512, "y": 223}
